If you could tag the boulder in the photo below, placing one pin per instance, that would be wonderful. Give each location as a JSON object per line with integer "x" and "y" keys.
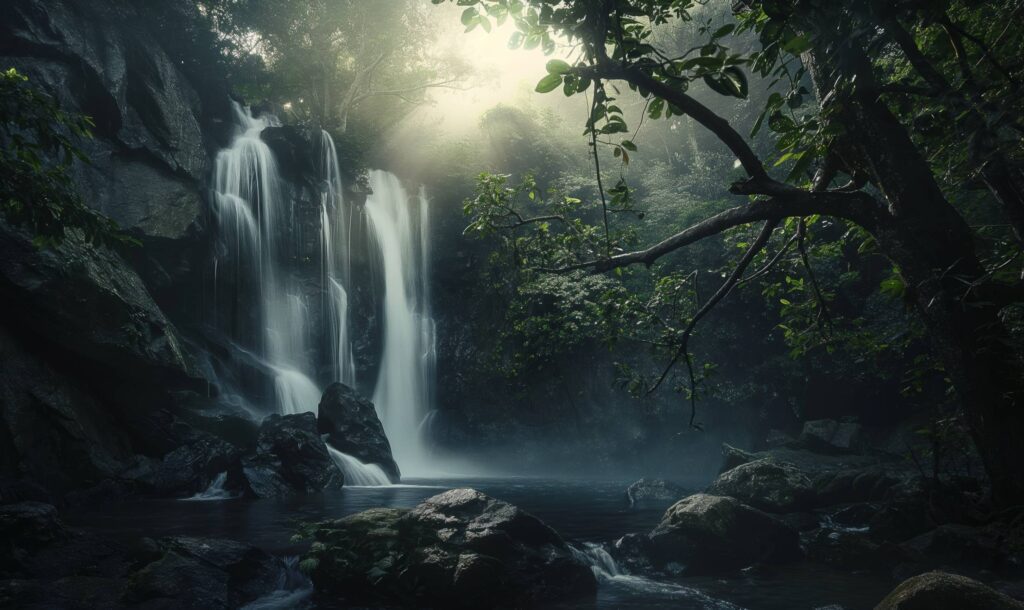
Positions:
{"x": 954, "y": 544}
{"x": 775, "y": 487}
{"x": 219, "y": 573}
{"x": 944, "y": 591}
{"x": 733, "y": 457}
{"x": 708, "y": 534}
{"x": 831, "y": 436}
{"x": 647, "y": 491}
{"x": 192, "y": 467}
{"x": 855, "y": 485}
{"x": 459, "y": 549}
{"x": 26, "y": 527}
{"x": 352, "y": 426}
{"x": 290, "y": 457}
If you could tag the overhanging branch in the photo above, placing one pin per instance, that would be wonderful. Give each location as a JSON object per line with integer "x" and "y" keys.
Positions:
{"x": 857, "y": 207}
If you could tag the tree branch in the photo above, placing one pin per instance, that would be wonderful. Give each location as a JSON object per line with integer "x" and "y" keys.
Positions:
{"x": 606, "y": 69}
{"x": 722, "y": 292}
{"x": 857, "y": 207}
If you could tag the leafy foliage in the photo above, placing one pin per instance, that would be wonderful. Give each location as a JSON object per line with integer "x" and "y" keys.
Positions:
{"x": 37, "y": 154}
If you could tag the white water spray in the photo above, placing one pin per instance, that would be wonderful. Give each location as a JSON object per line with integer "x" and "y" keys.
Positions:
{"x": 254, "y": 219}
{"x": 336, "y": 220}
{"x": 358, "y": 474}
{"x": 257, "y": 228}
{"x": 402, "y": 394}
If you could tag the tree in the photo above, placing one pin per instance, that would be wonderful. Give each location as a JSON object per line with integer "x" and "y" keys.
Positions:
{"x": 851, "y": 155}
{"x": 327, "y": 58}
{"x": 37, "y": 152}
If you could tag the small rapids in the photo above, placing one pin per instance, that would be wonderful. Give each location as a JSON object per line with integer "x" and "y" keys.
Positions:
{"x": 293, "y": 590}
{"x": 611, "y": 576}
{"x": 215, "y": 492}
{"x": 358, "y": 474}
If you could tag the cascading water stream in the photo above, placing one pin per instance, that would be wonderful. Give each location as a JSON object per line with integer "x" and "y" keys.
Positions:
{"x": 336, "y": 244}
{"x": 257, "y": 239}
{"x": 357, "y": 473}
{"x": 402, "y": 393}
{"x": 254, "y": 219}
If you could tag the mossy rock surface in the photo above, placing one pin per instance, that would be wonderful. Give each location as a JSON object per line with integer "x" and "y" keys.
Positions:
{"x": 459, "y": 549}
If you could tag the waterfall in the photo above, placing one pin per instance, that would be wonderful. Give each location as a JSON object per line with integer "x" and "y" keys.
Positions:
{"x": 358, "y": 474}
{"x": 269, "y": 315}
{"x": 335, "y": 252}
{"x": 402, "y": 393}
{"x": 255, "y": 220}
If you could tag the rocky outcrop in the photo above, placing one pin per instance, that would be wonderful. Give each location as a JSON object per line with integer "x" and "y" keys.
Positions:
{"x": 44, "y": 564}
{"x": 776, "y": 487}
{"x": 944, "y": 591}
{"x": 646, "y": 491}
{"x": 707, "y": 534}
{"x": 90, "y": 363}
{"x": 351, "y": 425}
{"x": 459, "y": 549}
{"x": 87, "y": 300}
{"x": 106, "y": 60}
{"x": 290, "y": 457}
{"x": 221, "y": 573}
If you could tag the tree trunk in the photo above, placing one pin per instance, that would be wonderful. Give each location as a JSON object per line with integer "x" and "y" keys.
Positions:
{"x": 933, "y": 249}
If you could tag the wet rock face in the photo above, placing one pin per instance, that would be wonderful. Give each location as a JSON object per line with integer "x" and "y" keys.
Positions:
{"x": 290, "y": 457}
{"x": 458, "y": 549}
{"x": 47, "y": 565}
{"x": 351, "y": 425}
{"x": 943, "y": 591}
{"x": 86, "y": 299}
{"x": 775, "y": 487}
{"x": 102, "y": 59}
{"x": 220, "y": 573}
{"x": 708, "y": 534}
{"x": 89, "y": 362}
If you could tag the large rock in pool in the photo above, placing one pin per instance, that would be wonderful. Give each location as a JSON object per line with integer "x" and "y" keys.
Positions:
{"x": 653, "y": 491}
{"x": 351, "y": 425}
{"x": 943, "y": 591}
{"x": 708, "y": 534}
{"x": 776, "y": 487}
{"x": 290, "y": 457}
{"x": 459, "y": 549}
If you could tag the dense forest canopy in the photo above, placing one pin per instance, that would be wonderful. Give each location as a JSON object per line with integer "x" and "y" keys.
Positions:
{"x": 510, "y": 303}
{"x": 717, "y": 158}
{"x": 911, "y": 143}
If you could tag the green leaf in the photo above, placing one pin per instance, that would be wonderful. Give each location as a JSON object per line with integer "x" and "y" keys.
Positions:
{"x": 731, "y": 82}
{"x": 557, "y": 66}
{"x": 549, "y": 83}
{"x": 725, "y": 30}
{"x": 469, "y": 16}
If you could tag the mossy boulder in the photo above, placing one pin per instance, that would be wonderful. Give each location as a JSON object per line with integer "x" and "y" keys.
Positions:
{"x": 459, "y": 549}
{"x": 709, "y": 534}
{"x": 775, "y": 487}
{"x": 944, "y": 591}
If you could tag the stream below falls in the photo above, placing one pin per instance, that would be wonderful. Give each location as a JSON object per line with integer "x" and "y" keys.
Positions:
{"x": 586, "y": 513}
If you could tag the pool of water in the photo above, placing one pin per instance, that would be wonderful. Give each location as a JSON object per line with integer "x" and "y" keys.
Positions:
{"x": 582, "y": 511}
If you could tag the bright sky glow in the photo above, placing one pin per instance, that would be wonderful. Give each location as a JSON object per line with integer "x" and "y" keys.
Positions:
{"x": 499, "y": 75}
